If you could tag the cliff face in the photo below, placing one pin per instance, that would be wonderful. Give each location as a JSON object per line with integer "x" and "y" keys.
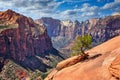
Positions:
{"x": 102, "y": 64}
{"x": 101, "y": 29}
{"x": 105, "y": 29}
{"x": 22, "y": 39}
{"x": 26, "y": 39}
{"x": 53, "y": 26}
{"x": 61, "y": 32}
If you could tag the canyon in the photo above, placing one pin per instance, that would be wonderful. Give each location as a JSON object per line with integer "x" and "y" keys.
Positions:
{"x": 102, "y": 64}
{"x": 25, "y": 42}
{"x": 30, "y": 47}
{"x": 64, "y": 32}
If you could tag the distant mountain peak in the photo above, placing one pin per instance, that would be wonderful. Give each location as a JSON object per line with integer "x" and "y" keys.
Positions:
{"x": 9, "y": 16}
{"x": 77, "y": 22}
{"x": 10, "y": 12}
{"x": 67, "y": 22}
{"x": 115, "y": 14}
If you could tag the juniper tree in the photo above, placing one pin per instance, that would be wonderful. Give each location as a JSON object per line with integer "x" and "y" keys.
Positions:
{"x": 81, "y": 43}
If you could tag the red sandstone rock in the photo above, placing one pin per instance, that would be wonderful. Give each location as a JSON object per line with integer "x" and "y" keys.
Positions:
{"x": 70, "y": 61}
{"x": 97, "y": 67}
{"x": 107, "y": 46}
{"x": 115, "y": 67}
{"x": 21, "y": 36}
{"x": 101, "y": 29}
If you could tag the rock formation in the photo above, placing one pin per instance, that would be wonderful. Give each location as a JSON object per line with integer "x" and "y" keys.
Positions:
{"x": 63, "y": 32}
{"x": 114, "y": 68}
{"x": 24, "y": 41}
{"x": 102, "y": 64}
{"x": 52, "y": 25}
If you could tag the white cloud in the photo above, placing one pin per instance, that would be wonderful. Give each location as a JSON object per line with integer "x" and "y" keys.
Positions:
{"x": 76, "y": 1}
{"x": 89, "y": 14}
{"x": 30, "y": 7}
{"x": 69, "y": 12}
{"x": 87, "y": 7}
{"x": 116, "y": 13}
{"x": 89, "y": 11}
{"x": 112, "y": 5}
{"x": 86, "y": 10}
{"x": 47, "y": 8}
{"x": 117, "y": 0}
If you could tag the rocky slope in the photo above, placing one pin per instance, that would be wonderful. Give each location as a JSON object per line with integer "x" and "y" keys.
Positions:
{"x": 63, "y": 32}
{"x": 25, "y": 42}
{"x": 102, "y": 64}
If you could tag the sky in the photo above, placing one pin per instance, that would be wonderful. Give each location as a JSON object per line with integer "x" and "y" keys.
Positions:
{"x": 63, "y": 9}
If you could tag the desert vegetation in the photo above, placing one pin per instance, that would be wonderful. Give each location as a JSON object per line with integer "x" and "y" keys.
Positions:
{"x": 81, "y": 43}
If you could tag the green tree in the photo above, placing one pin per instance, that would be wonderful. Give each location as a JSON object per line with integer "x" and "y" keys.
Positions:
{"x": 81, "y": 43}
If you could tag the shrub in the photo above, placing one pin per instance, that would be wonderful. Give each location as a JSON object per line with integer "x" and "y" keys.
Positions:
{"x": 81, "y": 43}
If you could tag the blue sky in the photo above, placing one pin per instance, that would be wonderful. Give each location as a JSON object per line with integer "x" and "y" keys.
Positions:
{"x": 62, "y": 9}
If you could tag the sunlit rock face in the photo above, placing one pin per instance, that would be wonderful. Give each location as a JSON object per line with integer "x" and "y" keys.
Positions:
{"x": 25, "y": 41}
{"x": 103, "y": 63}
{"x": 63, "y": 32}
{"x": 21, "y": 37}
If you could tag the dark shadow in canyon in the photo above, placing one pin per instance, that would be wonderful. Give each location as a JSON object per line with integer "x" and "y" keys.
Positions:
{"x": 34, "y": 62}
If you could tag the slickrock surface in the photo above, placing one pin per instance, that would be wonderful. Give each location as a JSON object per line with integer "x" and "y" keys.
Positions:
{"x": 102, "y": 64}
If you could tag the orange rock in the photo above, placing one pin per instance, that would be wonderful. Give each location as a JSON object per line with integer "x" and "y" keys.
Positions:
{"x": 107, "y": 46}
{"x": 97, "y": 67}
{"x": 19, "y": 33}
{"x": 115, "y": 67}
{"x": 70, "y": 61}
{"x": 51, "y": 75}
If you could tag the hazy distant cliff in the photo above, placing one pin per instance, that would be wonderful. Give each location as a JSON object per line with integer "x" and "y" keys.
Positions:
{"x": 63, "y": 32}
